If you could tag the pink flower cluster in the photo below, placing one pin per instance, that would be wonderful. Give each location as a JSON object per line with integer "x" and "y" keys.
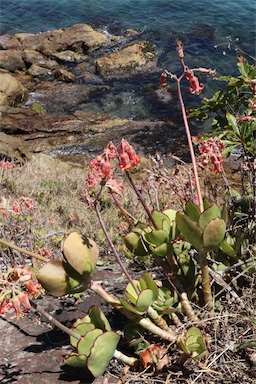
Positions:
{"x": 102, "y": 165}
{"x": 14, "y": 295}
{"x": 210, "y": 150}
{"x": 23, "y": 202}
{"x": 195, "y": 87}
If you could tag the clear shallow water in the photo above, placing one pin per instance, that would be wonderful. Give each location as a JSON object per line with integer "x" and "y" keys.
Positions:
{"x": 201, "y": 25}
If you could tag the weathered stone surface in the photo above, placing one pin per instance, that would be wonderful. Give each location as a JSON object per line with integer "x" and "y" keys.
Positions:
{"x": 36, "y": 70}
{"x": 11, "y": 60}
{"x": 9, "y": 42}
{"x": 127, "y": 59}
{"x": 12, "y": 93}
{"x": 13, "y": 147}
{"x": 63, "y": 75}
{"x": 79, "y": 38}
{"x": 69, "y": 56}
{"x": 34, "y": 57}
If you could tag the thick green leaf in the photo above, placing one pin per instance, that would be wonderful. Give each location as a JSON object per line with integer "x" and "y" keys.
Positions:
{"x": 130, "y": 307}
{"x": 192, "y": 211}
{"x": 162, "y": 221}
{"x": 76, "y": 360}
{"x": 99, "y": 319}
{"x": 144, "y": 300}
{"x": 81, "y": 329}
{"x": 163, "y": 249}
{"x": 135, "y": 244}
{"x": 102, "y": 352}
{"x": 171, "y": 213}
{"x": 54, "y": 279}
{"x": 209, "y": 214}
{"x": 194, "y": 332}
{"x": 86, "y": 342}
{"x": 226, "y": 248}
{"x": 206, "y": 203}
{"x": 232, "y": 122}
{"x": 214, "y": 234}
{"x": 81, "y": 253}
{"x": 156, "y": 237}
{"x": 190, "y": 229}
{"x": 81, "y": 320}
{"x": 244, "y": 68}
{"x": 131, "y": 291}
{"x": 151, "y": 285}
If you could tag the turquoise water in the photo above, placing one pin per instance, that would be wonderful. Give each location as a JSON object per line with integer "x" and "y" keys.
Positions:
{"x": 200, "y": 24}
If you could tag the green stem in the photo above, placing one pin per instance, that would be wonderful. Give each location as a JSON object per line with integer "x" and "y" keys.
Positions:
{"x": 22, "y": 250}
{"x": 144, "y": 322}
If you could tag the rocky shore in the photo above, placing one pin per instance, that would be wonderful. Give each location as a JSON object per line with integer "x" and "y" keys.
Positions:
{"x": 42, "y": 74}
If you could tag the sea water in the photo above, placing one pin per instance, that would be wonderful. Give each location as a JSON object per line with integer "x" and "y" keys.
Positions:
{"x": 202, "y": 25}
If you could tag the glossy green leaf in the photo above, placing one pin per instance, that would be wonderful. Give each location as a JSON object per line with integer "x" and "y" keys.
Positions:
{"x": 226, "y": 248}
{"x": 130, "y": 308}
{"x": 130, "y": 289}
{"x": 163, "y": 249}
{"x": 190, "y": 229}
{"x": 98, "y": 318}
{"x": 86, "y": 342}
{"x": 102, "y": 352}
{"x": 162, "y": 221}
{"x": 76, "y": 360}
{"x": 135, "y": 244}
{"x": 151, "y": 285}
{"x": 244, "y": 68}
{"x": 206, "y": 203}
{"x": 81, "y": 253}
{"x": 81, "y": 329}
{"x": 232, "y": 122}
{"x": 192, "y": 211}
{"x": 54, "y": 279}
{"x": 209, "y": 214}
{"x": 144, "y": 300}
{"x": 156, "y": 237}
{"x": 214, "y": 234}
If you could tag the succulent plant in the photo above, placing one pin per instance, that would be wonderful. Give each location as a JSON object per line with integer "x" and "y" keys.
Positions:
{"x": 193, "y": 344}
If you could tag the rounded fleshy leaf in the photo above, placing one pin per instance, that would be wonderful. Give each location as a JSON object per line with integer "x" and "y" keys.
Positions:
{"x": 206, "y": 203}
{"x": 162, "y": 221}
{"x": 75, "y": 360}
{"x": 145, "y": 299}
{"x": 81, "y": 329}
{"x": 99, "y": 319}
{"x": 130, "y": 308}
{"x": 86, "y": 342}
{"x": 80, "y": 320}
{"x": 226, "y": 248}
{"x": 102, "y": 352}
{"x": 55, "y": 280}
{"x": 156, "y": 237}
{"x": 163, "y": 249}
{"x": 151, "y": 285}
{"x": 192, "y": 211}
{"x": 81, "y": 253}
{"x": 209, "y": 214}
{"x": 190, "y": 229}
{"x": 214, "y": 234}
{"x": 135, "y": 244}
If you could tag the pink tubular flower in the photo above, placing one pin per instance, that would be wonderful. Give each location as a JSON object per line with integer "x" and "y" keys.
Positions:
{"x": 5, "y": 306}
{"x": 127, "y": 156}
{"x": 211, "y": 151}
{"x": 24, "y": 301}
{"x": 91, "y": 180}
{"x": 113, "y": 185}
{"x": 33, "y": 287}
{"x": 163, "y": 78}
{"x": 195, "y": 87}
{"x": 16, "y": 305}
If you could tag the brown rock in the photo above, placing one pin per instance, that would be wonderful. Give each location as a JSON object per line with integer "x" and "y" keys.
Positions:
{"x": 69, "y": 56}
{"x": 9, "y": 42}
{"x": 63, "y": 75}
{"x": 12, "y": 93}
{"x": 135, "y": 56}
{"x": 11, "y": 60}
{"x": 13, "y": 147}
{"x": 36, "y": 70}
{"x": 79, "y": 38}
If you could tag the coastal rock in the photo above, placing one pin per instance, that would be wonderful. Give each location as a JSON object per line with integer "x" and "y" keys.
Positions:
{"x": 12, "y": 93}
{"x": 79, "y": 38}
{"x": 11, "y": 60}
{"x": 69, "y": 56}
{"x": 13, "y": 147}
{"x": 135, "y": 56}
{"x": 9, "y": 42}
{"x": 63, "y": 75}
